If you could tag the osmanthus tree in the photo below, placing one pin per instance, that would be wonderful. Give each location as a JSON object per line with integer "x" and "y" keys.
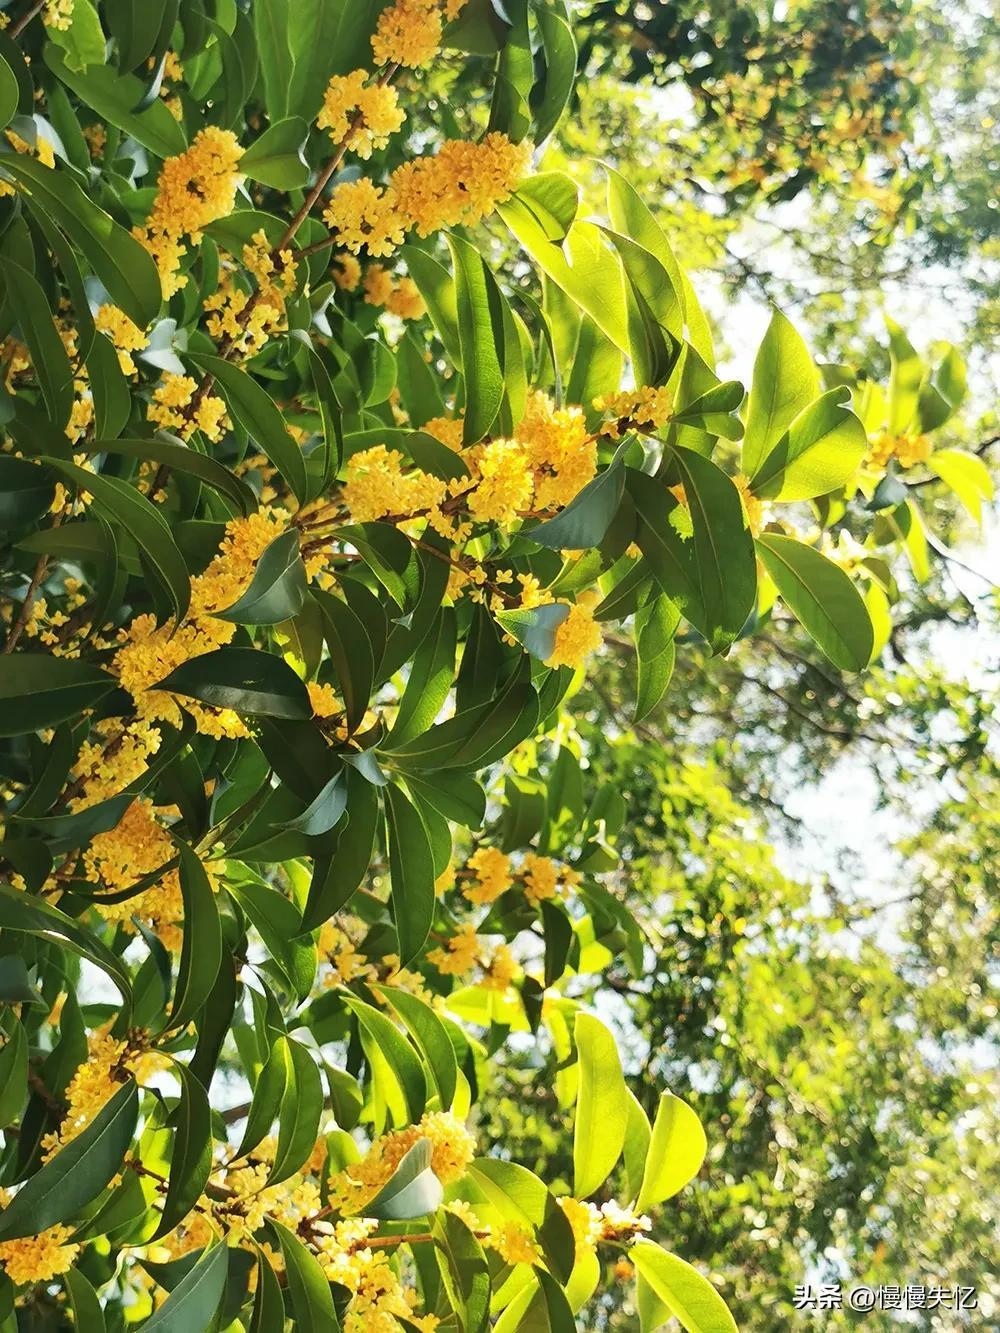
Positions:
{"x": 311, "y": 519}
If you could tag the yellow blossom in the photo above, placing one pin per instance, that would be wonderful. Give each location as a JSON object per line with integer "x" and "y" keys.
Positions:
{"x": 378, "y": 284}
{"x": 346, "y": 272}
{"x": 171, "y": 401}
{"x": 448, "y": 430}
{"x": 126, "y": 336}
{"x": 362, "y": 214}
{"x": 504, "y": 485}
{"x": 405, "y": 301}
{"x": 559, "y": 448}
{"x": 753, "y": 507}
{"x": 514, "y": 1244}
{"x": 541, "y": 877}
{"x": 500, "y": 970}
{"x": 323, "y": 699}
{"x": 491, "y": 868}
{"x": 38, "y": 1258}
{"x": 459, "y": 184}
{"x": 460, "y": 955}
{"x": 58, "y": 14}
{"x": 358, "y": 114}
{"x": 577, "y": 636}
{"x": 648, "y": 408}
{"x": 452, "y": 1150}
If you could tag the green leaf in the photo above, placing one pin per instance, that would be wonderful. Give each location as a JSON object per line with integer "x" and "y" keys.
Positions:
{"x": 38, "y": 690}
{"x": 244, "y": 679}
{"x": 276, "y": 158}
{"x": 818, "y": 453}
{"x": 559, "y": 49}
{"x": 583, "y": 267}
{"x": 26, "y": 492}
{"x": 63, "y": 1187}
{"x": 13, "y": 1075}
{"x": 690, "y": 1298}
{"x": 109, "y": 387}
{"x": 20, "y": 911}
{"x": 201, "y": 951}
{"x": 785, "y": 381}
{"x": 271, "y": 20}
{"x": 906, "y": 375}
{"x": 437, "y": 287}
{"x": 180, "y": 458}
{"x": 584, "y": 522}
{"x": 87, "y": 1311}
{"x": 278, "y": 589}
{"x": 413, "y": 1190}
{"x": 431, "y": 1037}
{"x": 193, "y": 1303}
{"x": 655, "y": 631}
{"x": 379, "y": 1032}
{"x": 9, "y": 93}
{"x": 351, "y": 654}
{"x": 430, "y": 680}
{"x": 465, "y": 1272}
{"x": 481, "y": 338}
{"x": 411, "y": 874}
{"x": 517, "y": 1193}
{"x": 553, "y": 199}
{"x": 256, "y": 412}
{"x": 136, "y": 25}
{"x": 49, "y": 361}
{"x": 143, "y": 522}
{"x": 301, "y": 1107}
{"x": 308, "y": 1290}
{"x": 535, "y": 628}
{"x": 676, "y": 1152}
{"x": 967, "y": 475}
{"x": 267, "y": 1095}
{"x": 701, "y": 557}
{"x": 268, "y": 1305}
{"x": 191, "y": 1156}
{"x": 821, "y": 597}
{"x": 601, "y": 1107}
{"x": 636, "y": 1148}
{"x": 337, "y": 877}
{"x": 124, "y": 266}
{"x": 322, "y": 813}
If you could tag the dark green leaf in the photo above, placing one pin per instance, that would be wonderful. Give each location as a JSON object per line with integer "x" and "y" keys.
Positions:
{"x": 48, "y": 355}
{"x": 431, "y": 1036}
{"x": 584, "y": 522}
{"x": 191, "y": 1156}
{"x": 821, "y": 597}
{"x": 196, "y": 1298}
{"x": 411, "y": 873}
{"x": 123, "y": 265}
{"x": 278, "y": 589}
{"x": 255, "y": 410}
{"x": 243, "y": 679}
{"x": 655, "y": 628}
{"x": 276, "y": 158}
{"x": 301, "y": 1107}
{"x": 481, "y": 338}
{"x": 201, "y": 951}
{"x": 144, "y": 524}
{"x": 37, "y": 690}
{"x": 77, "y": 1173}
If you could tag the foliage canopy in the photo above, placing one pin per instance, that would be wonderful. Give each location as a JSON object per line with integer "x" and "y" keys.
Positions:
{"x": 336, "y": 443}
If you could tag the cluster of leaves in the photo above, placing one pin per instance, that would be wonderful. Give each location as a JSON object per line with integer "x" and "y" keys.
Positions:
{"x": 332, "y": 731}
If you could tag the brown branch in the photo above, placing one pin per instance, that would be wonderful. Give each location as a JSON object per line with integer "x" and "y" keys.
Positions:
{"x": 24, "y": 615}
{"x": 19, "y": 25}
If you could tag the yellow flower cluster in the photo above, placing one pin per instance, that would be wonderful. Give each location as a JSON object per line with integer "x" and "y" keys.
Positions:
{"x": 173, "y": 398}
{"x": 400, "y": 297}
{"x": 126, "y": 335}
{"x": 378, "y": 1297}
{"x": 505, "y": 482}
{"x": 491, "y": 868}
{"x": 559, "y": 448}
{"x": 754, "y": 508}
{"x": 908, "y": 450}
{"x": 449, "y": 430}
{"x": 103, "y": 768}
{"x": 409, "y": 32}
{"x": 58, "y": 14}
{"x": 150, "y": 652}
{"x": 452, "y": 1150}
{"x": 359, "y": 114}
{"x": 377, "y": 486}
{"x": 460, "y": 954}
{"x": 137, "y": 846}
{"x": 647, "y": 408}
{"x": 248, "y": 321}
{"x": 324, "y": 700}
{"x": 43, "y": 151}
{"x": 458, "y": 185}
{"x": 362, "y": 213}
{"x": 578, "y": 636}
{"x": 347, "y": 272}
{"x": 108, "y": 1063}
{"x": 195, "y": 188}
{"x": 38, "y": 1258}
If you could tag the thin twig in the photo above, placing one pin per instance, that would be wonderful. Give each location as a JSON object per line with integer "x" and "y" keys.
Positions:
{"x": 19, "y": 25}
